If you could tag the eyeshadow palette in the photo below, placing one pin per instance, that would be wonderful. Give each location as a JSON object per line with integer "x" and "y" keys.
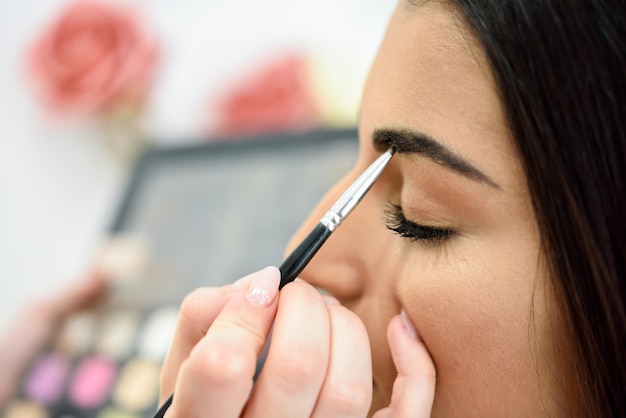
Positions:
{"x": 102, "y": 364}
{"x": 194, "y": 215}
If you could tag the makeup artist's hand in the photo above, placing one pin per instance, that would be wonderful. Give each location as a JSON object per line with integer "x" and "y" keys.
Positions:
{"x": 34, "y": 327}
{"x": 318, "y": 365}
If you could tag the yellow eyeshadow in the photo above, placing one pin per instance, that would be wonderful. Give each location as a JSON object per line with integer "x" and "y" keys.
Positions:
{"x": 138, "y": 385}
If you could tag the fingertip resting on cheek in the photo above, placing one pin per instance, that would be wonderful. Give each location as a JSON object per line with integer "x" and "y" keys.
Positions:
{"x": 408, "y": 350}
{"x": 408, "y": 326}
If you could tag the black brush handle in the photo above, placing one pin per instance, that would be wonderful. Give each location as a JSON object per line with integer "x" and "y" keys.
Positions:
{"x": 163, "y": 409}
{"x": 300, "y": 257}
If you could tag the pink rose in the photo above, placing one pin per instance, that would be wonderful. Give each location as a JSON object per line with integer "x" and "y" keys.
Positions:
{"x": 275, "y": 99}
{"x": 92, "y": 57}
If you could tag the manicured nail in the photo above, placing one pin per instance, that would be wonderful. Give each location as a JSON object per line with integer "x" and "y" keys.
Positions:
{"x": 264, "y": 287}
{"x": 408, "y": 325}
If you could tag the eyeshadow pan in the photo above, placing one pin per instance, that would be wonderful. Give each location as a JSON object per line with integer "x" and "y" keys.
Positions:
{"x": 24, "y": 409}
{"x": 116, "y": 413}
{"x": 77, "y": 335}
{"x": 45, "y": 381}
{"x": 138, "y": 385}
{"x": 117, "y": 335}
{"x": 157, "y": 333}
{"x": 92, "y": 382}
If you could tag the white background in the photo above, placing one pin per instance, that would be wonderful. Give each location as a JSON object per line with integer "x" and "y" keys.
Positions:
{"x": 59, "y": 185}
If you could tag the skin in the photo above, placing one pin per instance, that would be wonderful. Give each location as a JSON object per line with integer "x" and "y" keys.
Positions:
{"x": 485, "y": 336}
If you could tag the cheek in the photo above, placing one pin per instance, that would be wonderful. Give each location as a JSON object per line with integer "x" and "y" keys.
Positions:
{"x": 472, "y": 302}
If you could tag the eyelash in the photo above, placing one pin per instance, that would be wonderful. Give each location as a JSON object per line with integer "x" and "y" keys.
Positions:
{"x": 398, "y": 223}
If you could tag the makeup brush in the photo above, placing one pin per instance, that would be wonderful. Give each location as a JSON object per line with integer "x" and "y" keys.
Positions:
{"x": 302, "y": 254}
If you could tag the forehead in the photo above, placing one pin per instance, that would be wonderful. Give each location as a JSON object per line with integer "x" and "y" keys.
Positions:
{"x": 431, "y": 75}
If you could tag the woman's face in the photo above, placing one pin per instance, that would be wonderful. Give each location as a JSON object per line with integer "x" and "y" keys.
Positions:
{"x": 465, "y": 260}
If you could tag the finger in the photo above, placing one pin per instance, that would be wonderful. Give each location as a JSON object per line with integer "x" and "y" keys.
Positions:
{"x": 347, "y": 390}
{"x": 76, "y": 296}
{"x": 296, "y": 363}
{"x": 198, "y": 311}
{"x": 414, "y": 388}
{"x": 217, "y": 377}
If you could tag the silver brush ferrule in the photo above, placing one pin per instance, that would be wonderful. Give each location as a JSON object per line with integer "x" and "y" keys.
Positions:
{"x": 355, "y": 193}
{"x": 331, "y": 220}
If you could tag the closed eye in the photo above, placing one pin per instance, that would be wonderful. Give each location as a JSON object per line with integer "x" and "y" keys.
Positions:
{"x": 398, "y": 223}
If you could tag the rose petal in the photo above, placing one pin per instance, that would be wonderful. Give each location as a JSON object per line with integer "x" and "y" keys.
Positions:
{"x": 277, "y": 99}
{"x": 91, "y": 56}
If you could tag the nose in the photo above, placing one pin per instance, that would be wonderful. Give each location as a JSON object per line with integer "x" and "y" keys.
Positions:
{"x": 352, "y": 252}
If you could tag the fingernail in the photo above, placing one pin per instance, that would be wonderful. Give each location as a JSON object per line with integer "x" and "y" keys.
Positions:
{"x": 408, "y": 325}
{"x": 330, "y": 300}
{"x": 264, "y": 287}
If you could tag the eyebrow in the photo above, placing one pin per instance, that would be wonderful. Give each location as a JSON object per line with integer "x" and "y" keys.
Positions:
{"x": 405, "y": 141}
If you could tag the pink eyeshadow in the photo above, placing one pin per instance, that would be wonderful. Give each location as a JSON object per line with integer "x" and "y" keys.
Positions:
{"x": 92, "y": 382}
{"x": 45, "y": 382}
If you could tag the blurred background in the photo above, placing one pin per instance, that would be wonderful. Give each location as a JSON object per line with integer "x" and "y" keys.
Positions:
{"x": 76, "y": 111}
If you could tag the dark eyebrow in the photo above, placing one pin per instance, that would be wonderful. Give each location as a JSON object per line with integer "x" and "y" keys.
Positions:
{"x": 407, "y": 141}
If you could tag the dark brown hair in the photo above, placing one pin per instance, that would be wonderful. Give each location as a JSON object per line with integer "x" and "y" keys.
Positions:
{"x": 560, "y": 67}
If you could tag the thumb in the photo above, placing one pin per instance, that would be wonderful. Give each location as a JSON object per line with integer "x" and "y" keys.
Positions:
{"x": 414, "y": 388}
